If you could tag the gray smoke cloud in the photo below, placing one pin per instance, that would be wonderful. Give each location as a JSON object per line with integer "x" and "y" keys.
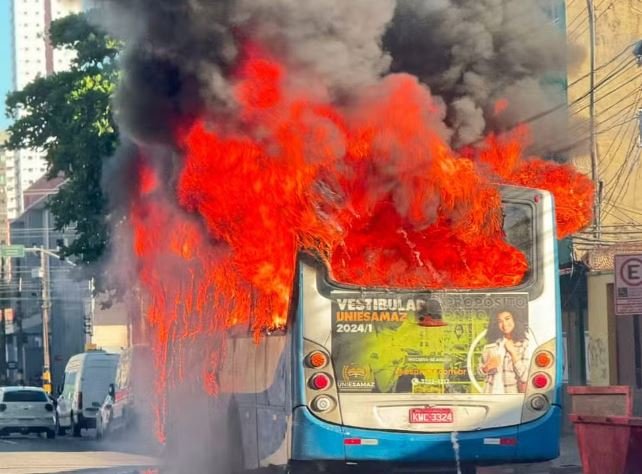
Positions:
{"x": 176, "y": 57}
{"x": 180, "y": 55}
{"x": 476, "y": 52}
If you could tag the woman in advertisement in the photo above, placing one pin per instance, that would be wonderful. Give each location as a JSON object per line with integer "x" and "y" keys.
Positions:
{"x": 506, "y": 360}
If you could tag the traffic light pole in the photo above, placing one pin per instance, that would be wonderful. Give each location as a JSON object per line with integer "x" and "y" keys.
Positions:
{"x": 46, "y": 305}
{"x": 3, "y": 327}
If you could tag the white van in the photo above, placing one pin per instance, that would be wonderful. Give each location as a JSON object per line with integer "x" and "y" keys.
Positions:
{"x": 86, "y": 384}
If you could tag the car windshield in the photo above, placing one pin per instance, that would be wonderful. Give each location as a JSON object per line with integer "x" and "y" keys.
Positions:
{"x": 24, "y": 396}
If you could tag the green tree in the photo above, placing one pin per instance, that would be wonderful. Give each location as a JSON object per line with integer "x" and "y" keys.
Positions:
{"x": 68, "y": 115}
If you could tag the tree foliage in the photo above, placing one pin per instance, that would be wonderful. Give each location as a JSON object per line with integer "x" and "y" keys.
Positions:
{"x": 68, "y": 115}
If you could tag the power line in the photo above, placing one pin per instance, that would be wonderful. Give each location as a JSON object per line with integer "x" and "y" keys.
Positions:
{"x": 620, "y": 137}
{"x": 558, "y": 146}
{"x": 579, "y": 16}
{"x": 628, "y": 209}
{"x": 621, "y": 216}
{"x": 570, "y": 146}
{"x": 617, "y": 88}
{"x": 586, "y": 26}
{"x": 614, "y": 184}
{"x": 619, "y": 232}
{"x": 561, "y": 105}
{"x": 624, "y": 188}
{"x": 566, "y": 147}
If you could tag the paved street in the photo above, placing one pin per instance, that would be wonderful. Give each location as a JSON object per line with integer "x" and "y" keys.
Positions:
{"x": 122, "y": 455}
{"x": 567, "y": 463}
{"x": 35, "y": 455}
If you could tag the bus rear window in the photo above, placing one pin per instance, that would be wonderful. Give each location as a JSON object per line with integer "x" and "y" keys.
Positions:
{"x": 519, "y": 231}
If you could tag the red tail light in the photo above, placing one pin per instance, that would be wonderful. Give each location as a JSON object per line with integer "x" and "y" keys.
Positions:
{"x": 540, "y": 381}
{"x": 320, "y": 381}
{"x": 80, "y": 400}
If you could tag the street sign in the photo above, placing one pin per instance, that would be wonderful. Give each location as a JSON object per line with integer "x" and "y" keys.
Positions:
{"x": 628, "y": 284}
{"x": 12, "y": 365}
{"x": 15, "y": 251}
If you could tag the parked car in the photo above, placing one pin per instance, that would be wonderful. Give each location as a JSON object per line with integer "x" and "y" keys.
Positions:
{"x": 54, "y": 401}
{"x": 86, "y": 383}
{"x": 26, "y": 410}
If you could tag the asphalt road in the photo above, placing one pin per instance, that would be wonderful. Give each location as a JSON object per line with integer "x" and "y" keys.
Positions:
{"x": 125, "y": 454}
{"x": 37, "y": 455}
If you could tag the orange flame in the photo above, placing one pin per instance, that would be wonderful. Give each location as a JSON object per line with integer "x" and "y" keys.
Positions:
{"x": 500, "y": 106}
{"x": 372, "y": 187}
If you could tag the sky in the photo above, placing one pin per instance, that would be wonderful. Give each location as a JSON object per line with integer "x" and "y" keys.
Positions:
{"x": 6, "y": 62}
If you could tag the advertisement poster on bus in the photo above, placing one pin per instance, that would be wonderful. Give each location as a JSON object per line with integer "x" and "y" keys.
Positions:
{"x": 446, "y": 343}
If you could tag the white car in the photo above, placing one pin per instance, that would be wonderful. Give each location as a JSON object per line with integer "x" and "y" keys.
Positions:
{"x": 26, "y": 410}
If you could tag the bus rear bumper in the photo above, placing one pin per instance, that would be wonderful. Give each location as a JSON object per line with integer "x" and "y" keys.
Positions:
{"x": 316, "y": 440}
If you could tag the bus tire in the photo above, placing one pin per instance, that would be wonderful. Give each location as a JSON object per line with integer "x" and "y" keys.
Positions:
{"x": 467, "y": 469}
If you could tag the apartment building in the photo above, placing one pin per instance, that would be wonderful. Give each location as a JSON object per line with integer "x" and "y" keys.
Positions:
{"x": 33, "y": 57}
{"x": 5, "y": 158}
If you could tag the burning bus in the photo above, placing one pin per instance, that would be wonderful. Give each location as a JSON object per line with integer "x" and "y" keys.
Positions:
{"x": 425, "y": 330}
{"x": 337, "y": 223}
{"x": 381, "y": 377}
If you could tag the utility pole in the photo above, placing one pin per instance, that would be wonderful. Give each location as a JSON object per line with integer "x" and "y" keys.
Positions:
{"x": 3, "y": 327}
{"x": 639, "y": 128}
{"x": 18, "y": 319}
{"x": 595, "y": 171}
{"x": 89, "y": 316}
{"x": 46, "y": 305}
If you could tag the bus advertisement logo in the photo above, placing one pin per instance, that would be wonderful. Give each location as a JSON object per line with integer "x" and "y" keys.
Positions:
{"x": 356, "y": 377}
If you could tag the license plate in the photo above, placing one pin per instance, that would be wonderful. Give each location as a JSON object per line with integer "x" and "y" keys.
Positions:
{"x": 431, "y": 415}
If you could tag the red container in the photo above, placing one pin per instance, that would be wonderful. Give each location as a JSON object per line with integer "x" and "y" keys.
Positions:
{"x": 609, "y": 444}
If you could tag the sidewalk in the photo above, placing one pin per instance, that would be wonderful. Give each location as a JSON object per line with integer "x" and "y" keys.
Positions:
{"x": 567, "y": 463}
